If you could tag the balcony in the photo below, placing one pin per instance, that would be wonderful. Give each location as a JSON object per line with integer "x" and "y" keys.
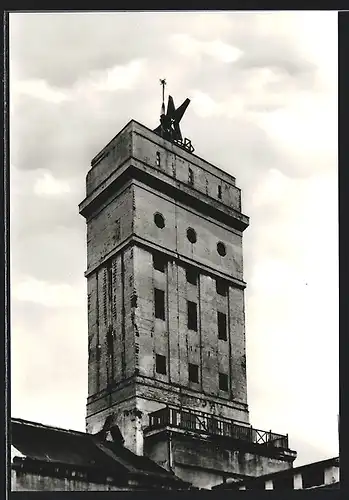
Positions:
{"x": 204, "y": 423}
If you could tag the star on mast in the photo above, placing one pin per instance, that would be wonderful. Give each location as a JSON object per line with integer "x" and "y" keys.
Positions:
{"x": 169, "y": 121}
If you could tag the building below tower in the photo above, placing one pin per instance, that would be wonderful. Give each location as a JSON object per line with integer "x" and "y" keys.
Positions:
{"x": 317, "y": 475}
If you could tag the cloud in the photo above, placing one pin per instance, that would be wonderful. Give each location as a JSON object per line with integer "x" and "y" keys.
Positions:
{"x": 49, "y": 295}
{"x": 39, "y": 89}
{"x": 186, "y": 45}
{"x": 47, "y": 185}
{"x": 119, "y": 77}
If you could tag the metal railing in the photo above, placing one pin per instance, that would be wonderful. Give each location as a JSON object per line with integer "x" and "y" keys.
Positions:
{"x": 218, "y": 426}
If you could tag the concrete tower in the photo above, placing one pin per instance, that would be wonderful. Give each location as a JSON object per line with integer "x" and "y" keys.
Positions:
{"x": 166, "y": 327}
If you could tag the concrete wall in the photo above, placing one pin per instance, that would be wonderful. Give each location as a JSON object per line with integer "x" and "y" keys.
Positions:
{"x": 124, "y": 335}
{"x": 294, "y": 478}
{"x": 172, "y": 338}
{"x": 176, "y": 164}
{"x": 205, "y": 462}
{"x": 109, "y": 226}
{"x": 126, "y": 415}
{"x": 112, "y": 353}
{"x": 140, "y": 143}
{"x": 331, "y": 474}
{"x": 174, "y": 235}
{"x": 198, "y": 477}
{"x": 28, "y": 481}
{"x": 209, "y": 454}
{"x": 109, "y": 159}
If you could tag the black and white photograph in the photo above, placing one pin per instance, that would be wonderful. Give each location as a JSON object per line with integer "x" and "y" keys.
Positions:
{"x": 173, "y": 250}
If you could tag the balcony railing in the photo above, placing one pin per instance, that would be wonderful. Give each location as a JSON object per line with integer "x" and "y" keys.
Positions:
{"x": 218, "y": 426}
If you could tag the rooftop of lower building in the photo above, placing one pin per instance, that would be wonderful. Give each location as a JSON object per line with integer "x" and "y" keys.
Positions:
{"x": 320, "y": 465}
{"x": 36, "y": 447}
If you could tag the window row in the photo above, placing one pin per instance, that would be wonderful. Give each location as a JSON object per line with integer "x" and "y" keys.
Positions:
{"x": 192, "y": 314}
{"x": 191, "y": 177}
{"x": 159, "y": 220}
{"x": 193, "y": 372}
{"x": 191, "y": 273}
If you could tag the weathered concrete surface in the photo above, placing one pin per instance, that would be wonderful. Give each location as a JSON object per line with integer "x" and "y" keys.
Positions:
{"x": 205, "y": 461}
{"x": 138, "y": 141}
{"x": 29, "y": 481}
{"x": 135, "y": 176}
{"x": 174, "y": 235}
{"x": 109, "y": 227}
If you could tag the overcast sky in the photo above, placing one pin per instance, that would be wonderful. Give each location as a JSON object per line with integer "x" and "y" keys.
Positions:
{"x": 263, "y": 90}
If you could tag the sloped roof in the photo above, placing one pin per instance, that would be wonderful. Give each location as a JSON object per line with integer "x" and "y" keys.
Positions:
{"x": 42, "y": 443}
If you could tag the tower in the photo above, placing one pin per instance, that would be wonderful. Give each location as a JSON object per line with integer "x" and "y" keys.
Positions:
{"x": 166, "y": 327}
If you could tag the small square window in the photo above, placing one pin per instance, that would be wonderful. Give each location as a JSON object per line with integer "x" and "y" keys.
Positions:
{"x": 192, "y": 316}
{"x": 192, "y": 275}
{"x": 117, "y": 229}
{"x": 222, "y": 325}
{"x": 223, "y": 382}
{"x": 221, "y": 287}
{"x": 193, "y": 373}
{"x": 160, "y": 364}
{"x": 159, "y": 298}
{"x": 159, "y": 262}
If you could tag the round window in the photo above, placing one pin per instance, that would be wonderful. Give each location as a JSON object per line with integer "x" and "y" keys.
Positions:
{"x": 191, "y": 235}
{"x": 221, "y": 249}
{"x": 159, "y": 220}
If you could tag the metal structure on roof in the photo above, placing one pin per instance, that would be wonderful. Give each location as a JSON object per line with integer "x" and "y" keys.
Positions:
{"x": 169, "y": 127}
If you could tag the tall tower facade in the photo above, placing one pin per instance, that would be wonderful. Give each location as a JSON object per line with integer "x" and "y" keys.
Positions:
{"x": 166, "y": 320}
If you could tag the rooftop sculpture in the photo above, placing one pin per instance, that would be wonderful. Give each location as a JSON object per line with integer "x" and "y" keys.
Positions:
{"x": 169, "y": 121}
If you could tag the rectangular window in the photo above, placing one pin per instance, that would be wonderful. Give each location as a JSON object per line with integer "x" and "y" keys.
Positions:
{"x": 221, "y": 287}
{"x": 160, "y": 364}
{"x": 193, "y": 373}
{"x": 223, "y": 382}
{"x": 220, "y": 192}
{"x": 158, "y": 159}
{"x": 222, "y": 325}
{"x": 191, "y": 177}
{"x": 188, "y": 420}
{"x": 192, "y": 275}
{"x": 159, "y": 297}
{"x": 314, "y": 476}
{"x": 283, "y": 482}
{"x": 117, "y": 229}
{"x": 192, "y": 316}
{"x": 110, "y": 281}
{"x": 159, "y": 262}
